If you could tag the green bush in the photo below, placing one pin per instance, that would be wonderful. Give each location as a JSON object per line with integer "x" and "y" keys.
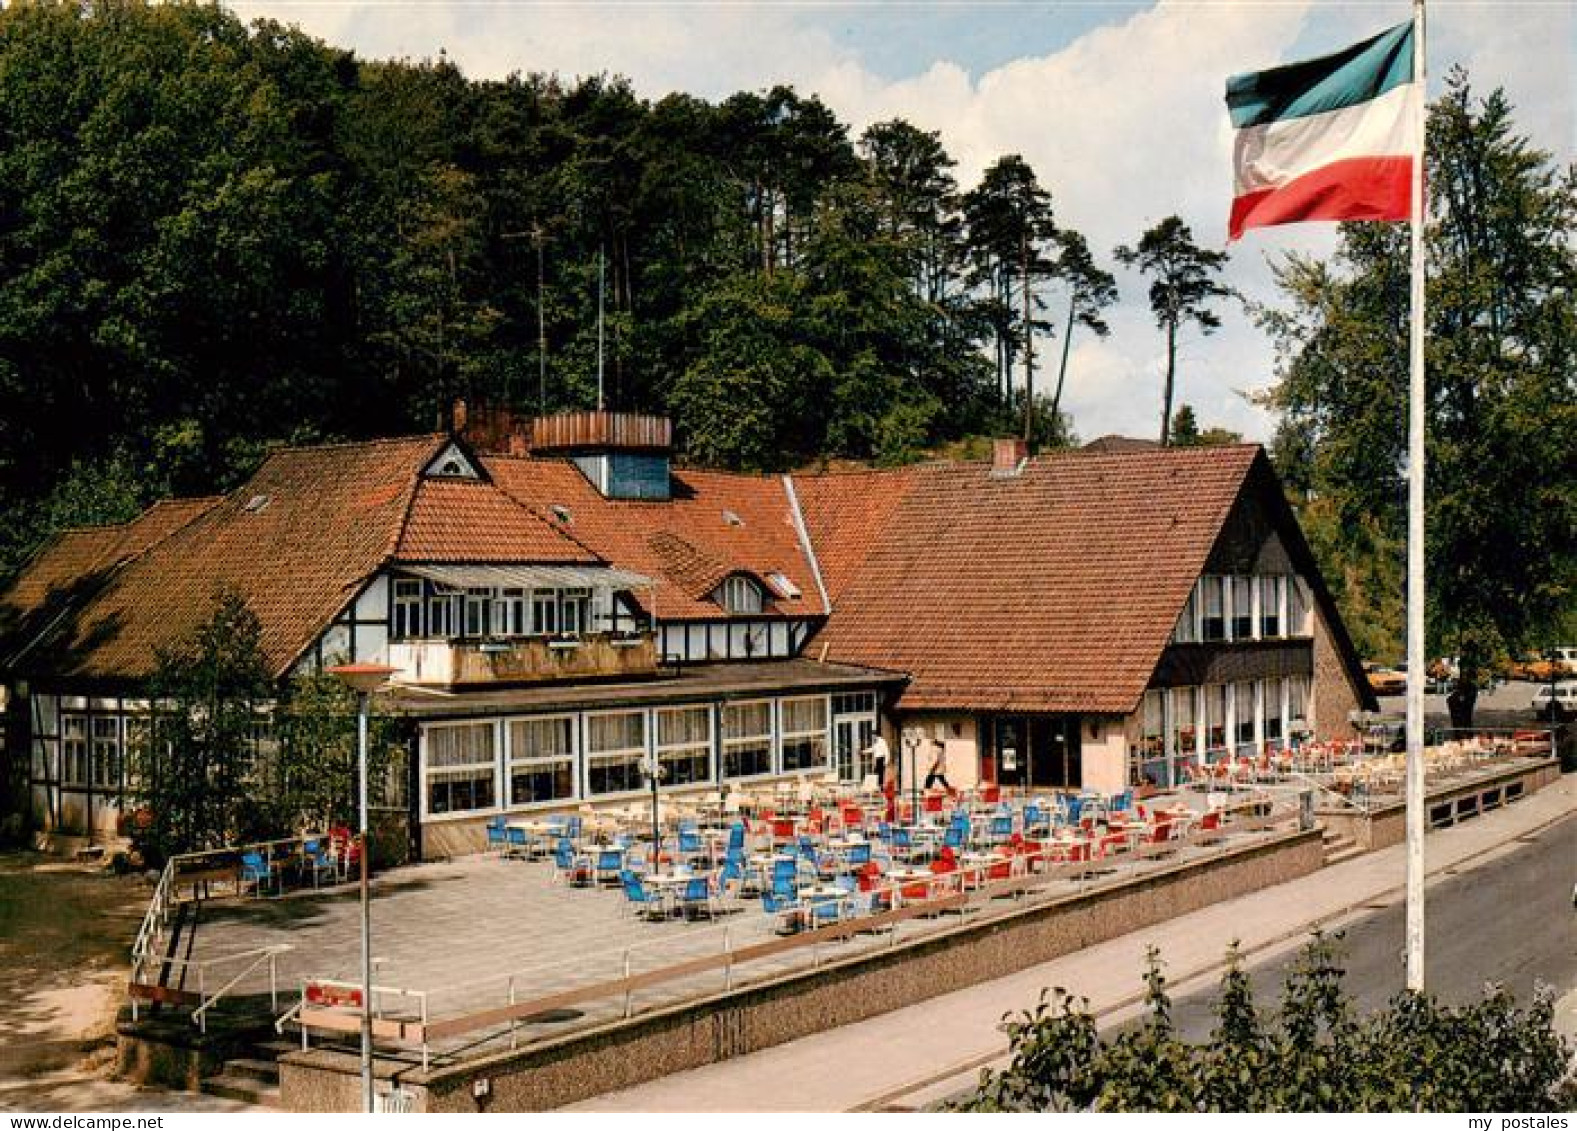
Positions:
{"x": 1313, "y": 1055}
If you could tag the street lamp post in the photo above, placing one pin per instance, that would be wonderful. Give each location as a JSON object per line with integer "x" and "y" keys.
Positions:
{"x": 653, "y": 770}
{"x": 364, "y": 680}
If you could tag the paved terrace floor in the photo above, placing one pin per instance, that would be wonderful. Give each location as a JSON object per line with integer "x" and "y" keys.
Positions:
{"x": 469, "y": 930}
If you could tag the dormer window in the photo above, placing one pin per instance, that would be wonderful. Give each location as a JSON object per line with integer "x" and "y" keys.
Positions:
{"x": 740, "y": 594}
{"x": 451, "y": 463}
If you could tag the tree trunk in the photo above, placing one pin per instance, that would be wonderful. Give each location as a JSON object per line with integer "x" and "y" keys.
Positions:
{"x": 1461, "y": 701}
{"x": 1029, "y": 345}
{"x": 1062, "y": 369}
{"x": 1171, "y": 369}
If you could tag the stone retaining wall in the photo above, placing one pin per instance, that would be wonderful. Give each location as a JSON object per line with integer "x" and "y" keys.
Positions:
{"x": 1386, "y": 825}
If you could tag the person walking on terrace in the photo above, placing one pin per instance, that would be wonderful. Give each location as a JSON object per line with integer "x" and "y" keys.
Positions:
{"x": 937, "y": 774}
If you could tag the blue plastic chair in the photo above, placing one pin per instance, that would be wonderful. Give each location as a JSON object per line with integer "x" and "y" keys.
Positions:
{"x": 785, "y": 906}
{"x": 516, "y": 843}
{"x": 697, "y": 897}
{"x": 497, "y": 837}
{"x": 257, "y": 871}
{"x": 572, "y": 828}
{"x": 859, "y": 854}
{"x": 956, "y": 837}
{"x": 736, "y": 837}
{"x": 1001, "y": 830}
{"x": 690, "y": 845}
{"x": 610, "y": 862}
{"x": 638, "y": 897}
{"x": 569, "y": 865}
{"x": 318, "y": 859}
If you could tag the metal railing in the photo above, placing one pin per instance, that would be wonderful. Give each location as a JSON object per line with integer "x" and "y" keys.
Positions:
{"x": 268, "y": 954}
{"x": 199, "y": 869}
{"x": 967, "y": 890}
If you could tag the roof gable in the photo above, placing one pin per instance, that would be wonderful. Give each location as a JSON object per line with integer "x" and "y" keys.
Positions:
{"x": 1054, "y": 590}
{"x": 332, "y": 515}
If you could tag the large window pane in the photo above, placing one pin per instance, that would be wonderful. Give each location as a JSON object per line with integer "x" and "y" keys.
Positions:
{"x": 541, "y": 760}
{"x": 1182, "y": 729}
{"x": 747, "y": 739}
{"x": 460, "y": 768}
{"x": 804, "y": 733}
{"x": 1215, "y": 717}
{"x": 1272, "y": 700}
{"x": 1270, "y": 591}
{"x": 1243, "y": 713}
{"x": 684, "y": 744}
{"x": 615, "y": 749}
{"x": 74, "y": 750}
{"x": 1214, "y": 625}
{"x": 1242, "y": 608}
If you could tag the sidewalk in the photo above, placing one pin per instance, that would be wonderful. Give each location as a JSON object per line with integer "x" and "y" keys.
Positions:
{"x": 937, "y": 1046}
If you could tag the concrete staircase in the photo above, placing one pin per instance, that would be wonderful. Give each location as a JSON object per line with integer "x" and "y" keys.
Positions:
{"x": 251, "y": 1079}
{"x": 1339, "y": 846}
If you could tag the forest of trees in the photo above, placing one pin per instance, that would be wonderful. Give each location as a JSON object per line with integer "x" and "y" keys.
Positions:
{"x": 216, "y": 237}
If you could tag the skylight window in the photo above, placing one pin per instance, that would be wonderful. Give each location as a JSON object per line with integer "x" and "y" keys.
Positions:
{"x": 783, "y": 585}
{"x": 732, "y": 519}
{"x": 562, "y": 513}
{"x": 257, "y": 503}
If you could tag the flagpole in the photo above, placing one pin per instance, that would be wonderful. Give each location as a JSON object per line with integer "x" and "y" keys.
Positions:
{"x": 1415, "y": 538}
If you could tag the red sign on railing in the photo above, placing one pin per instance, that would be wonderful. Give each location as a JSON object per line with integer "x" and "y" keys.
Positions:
{"x": 333, "y": 996}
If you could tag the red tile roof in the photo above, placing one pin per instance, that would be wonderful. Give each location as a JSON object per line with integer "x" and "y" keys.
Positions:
{"x": 1052, "y": 590}
{"x": 296, "y": 541}
{"x": 467, "y": 521}
{"x": 847, "y": 513}
{"x": 81, "y": 558}
{"x": 686, "y": 545}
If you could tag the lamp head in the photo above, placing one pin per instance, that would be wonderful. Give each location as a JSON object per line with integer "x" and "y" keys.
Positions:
{"x": 364, "y": 679}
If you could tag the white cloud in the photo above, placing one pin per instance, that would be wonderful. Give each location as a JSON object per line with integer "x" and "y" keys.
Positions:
{"x": 1125, "y": 124}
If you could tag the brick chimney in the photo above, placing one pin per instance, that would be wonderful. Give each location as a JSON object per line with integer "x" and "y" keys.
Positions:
{"x": 1008, "y": 454}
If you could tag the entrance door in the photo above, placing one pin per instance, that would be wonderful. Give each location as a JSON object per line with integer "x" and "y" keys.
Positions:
{"x": 850, "y": 737}
{"x": 1055, "y": 753}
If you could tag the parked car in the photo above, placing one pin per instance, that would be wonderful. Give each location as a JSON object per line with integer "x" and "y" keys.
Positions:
{"x": 1556, "y": 702}
{"x": 1552, "y": 664}
{"x": 1386, "y": 681}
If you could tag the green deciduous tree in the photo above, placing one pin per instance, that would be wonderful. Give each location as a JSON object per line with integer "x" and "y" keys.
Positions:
{"x": 1502, "y": 407}
{"x": 193, "y": 766}
{"x": 1183, "y": 284}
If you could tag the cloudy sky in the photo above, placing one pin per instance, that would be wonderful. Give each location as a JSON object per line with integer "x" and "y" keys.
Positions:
{"x": 1117, "y": 106}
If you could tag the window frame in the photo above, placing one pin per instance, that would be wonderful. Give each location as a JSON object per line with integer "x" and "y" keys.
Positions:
{"x": 669, "y": 753}
{"x": 627, "y": 755}
{"x": 402, "y": 606}
{"x": 739, "y": 594}
{"x": 458, "y": 771}
{"x": 785, "y": 736}
{"x": 75, "y": 767}
{"x": 514, "y": 761}
{"x": 726, "y": 744}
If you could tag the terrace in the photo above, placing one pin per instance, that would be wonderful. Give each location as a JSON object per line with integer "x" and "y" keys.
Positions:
{"x": 571, "y": 923}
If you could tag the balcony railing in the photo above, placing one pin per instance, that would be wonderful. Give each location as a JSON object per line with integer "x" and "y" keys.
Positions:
{"x": 536, "y": 659}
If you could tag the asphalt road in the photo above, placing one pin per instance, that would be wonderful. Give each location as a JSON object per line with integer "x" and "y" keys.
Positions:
{"x": 1509, "y": 920}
